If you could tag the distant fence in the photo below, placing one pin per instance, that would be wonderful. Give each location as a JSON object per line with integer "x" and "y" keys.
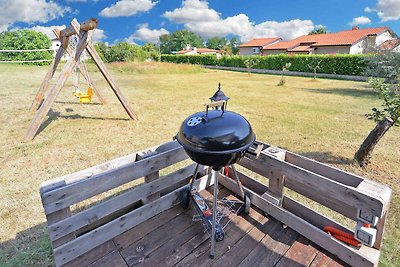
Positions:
{"x": 292, "y": 73}
{"x": 38, "y": 57}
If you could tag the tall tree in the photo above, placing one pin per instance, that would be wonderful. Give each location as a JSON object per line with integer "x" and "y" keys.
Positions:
{"x": 320, "y": 30}
{"x": 217, "y": 42}
{"x": 178, "y": 40}
{"x": 385, "y": 65}
{"x": 234, "y": 44}
{"x": 24, "y": 40}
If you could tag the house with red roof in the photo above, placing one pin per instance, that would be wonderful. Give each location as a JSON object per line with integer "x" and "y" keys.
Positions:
{"x": 254, "y": 47}
{"x": 354, "y": 41}
{"x": 200, "y": 51}
{"x": 390, "y": 45}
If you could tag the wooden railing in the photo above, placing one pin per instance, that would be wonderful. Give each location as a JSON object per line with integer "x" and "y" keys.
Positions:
{"x": 73, "y": 235}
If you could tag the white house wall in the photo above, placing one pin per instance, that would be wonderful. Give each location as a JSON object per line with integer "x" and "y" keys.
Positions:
{"x": 246, "y": 51}
{"x": 383, "y": 37}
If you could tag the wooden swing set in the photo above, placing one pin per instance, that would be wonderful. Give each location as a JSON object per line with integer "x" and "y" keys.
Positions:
{"x": 42, "y": 104}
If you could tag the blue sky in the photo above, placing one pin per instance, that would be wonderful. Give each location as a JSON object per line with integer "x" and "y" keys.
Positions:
{"x": 141, "y": 21}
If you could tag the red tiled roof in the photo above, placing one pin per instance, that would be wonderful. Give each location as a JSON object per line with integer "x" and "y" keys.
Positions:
{"x": 348, "y": 37}
{"x": 260, "y": 42}
{"x": 389, "y": 44}
{"x": 301, "y": 48}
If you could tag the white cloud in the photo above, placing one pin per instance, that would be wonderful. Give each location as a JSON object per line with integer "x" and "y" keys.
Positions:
{"x": 386, "y": 10}
{"x": 98, "y": 35}
{"x": 47, "y": 30}
{"x": 146, "y": 35}
{"x": 360, "y": 21}
{"x": 192, "y": 11}
{"x": 29, "y": 11}
{"x": 125, "y": 8}
{"x": 200, "y": 19}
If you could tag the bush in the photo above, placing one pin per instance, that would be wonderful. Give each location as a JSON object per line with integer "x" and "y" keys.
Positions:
{"x": 332, "y": 64}
{"x": 25, "y": 40}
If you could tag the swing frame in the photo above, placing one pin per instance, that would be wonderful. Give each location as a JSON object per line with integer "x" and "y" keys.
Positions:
{"x": 41, "y": 105}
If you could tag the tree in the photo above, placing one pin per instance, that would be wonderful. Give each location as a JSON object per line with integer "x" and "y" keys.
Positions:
{"x": 385, "y": 65}
{"x": 125, "y": 52}
{"x": 102, "y": 50}
{"x": 216, "y": 42}
{"x": 24, "y": 40}
{"x": 178, "y": 40}
{"x": 250, "y": 62}
{"x": 234, "y": 44}
{"x": 320, "y": 30}
{"x": 152, "y": 50}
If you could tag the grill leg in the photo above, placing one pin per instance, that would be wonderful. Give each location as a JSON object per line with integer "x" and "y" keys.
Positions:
{"x": 239, "y": 183}
{"x": 214, "y": 213}
{"x": 194, "y": 176}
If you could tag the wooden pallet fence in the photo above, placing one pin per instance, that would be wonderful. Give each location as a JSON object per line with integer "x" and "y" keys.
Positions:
{"x": 99, "y": 220}
{"x": 333, "y": 188}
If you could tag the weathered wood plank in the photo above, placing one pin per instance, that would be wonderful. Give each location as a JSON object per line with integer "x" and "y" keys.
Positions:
{"x": 134, "y": 234}
{"x": 86, "y": 242}
{"x": 94, "y": 185}
{"x": 323, "y": 260}
{"x": 293, "y": 206}
{"x": 300, "y": 254}
{"x": 239, "y": 251}
{"x": 92, "y": 255}
{"x": 137, "y": 252}
{"x": 103, "y": 209}
{"x": 103, "y": 69}
{"x": 87, "y": 25}
{"x": 46, "y": 81}
{"x": 113, "y": 259}
{"x": 109, "y": 165}
{"x": 339, "y": 197}
{"x": 359, "y": 257}
{"x": 235, "y": 231}
{"x": 271, "y": 248}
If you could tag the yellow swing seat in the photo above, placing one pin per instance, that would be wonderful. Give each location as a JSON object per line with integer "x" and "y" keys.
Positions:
{"x": 84, "y": 97}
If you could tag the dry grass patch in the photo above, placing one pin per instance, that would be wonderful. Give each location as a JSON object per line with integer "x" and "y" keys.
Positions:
{"x": 321, "y": 119}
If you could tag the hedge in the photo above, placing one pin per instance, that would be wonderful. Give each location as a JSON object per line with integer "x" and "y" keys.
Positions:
{"x": 332, "y": 64}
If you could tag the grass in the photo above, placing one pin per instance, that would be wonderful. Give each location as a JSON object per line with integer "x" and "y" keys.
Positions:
{"x": 322, "y": 119}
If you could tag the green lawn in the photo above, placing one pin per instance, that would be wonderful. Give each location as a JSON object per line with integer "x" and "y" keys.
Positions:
{"x": 322, "y": 119}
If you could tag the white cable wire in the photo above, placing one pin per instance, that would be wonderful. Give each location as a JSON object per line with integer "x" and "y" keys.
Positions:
{"x": 26, "y": 61}
{"x": 28, "y": 50}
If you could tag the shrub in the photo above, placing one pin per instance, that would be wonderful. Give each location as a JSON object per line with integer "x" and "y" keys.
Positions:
{"x": 332, "y": 64}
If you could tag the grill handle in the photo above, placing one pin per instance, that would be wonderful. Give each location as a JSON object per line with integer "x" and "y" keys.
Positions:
{"x": 221, "y": 103}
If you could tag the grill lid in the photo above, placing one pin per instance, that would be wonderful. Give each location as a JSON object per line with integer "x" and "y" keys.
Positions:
{"x": 216, "y": 132}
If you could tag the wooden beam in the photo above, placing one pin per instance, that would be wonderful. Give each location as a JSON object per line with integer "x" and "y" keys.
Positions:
{"x": 92, "y": 239}
{"x": 364, "y": 256}
{"x": 104, "y": 167}
{"x": 103, "y": 69}
{"x": 104, "y": 209}
{"x": 88, "y": 25}
{"x": 96, "y": 184}
{"x": 49, "y": 75}
{"x": 48, "y": 102}
{"x": 337, "y": 196}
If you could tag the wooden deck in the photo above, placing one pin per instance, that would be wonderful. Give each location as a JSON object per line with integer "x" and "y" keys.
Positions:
{"x": 172, "y": 238}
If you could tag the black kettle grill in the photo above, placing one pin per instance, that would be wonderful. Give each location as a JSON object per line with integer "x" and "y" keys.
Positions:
{"x": 215, "y": 138}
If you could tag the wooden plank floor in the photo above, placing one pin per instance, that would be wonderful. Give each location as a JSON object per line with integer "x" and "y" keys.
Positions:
{"x": 173, "y": 239}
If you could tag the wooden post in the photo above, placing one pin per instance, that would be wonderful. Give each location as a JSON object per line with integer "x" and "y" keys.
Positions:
{"x": 150, "y": 177}
{"x": 66, "y": 71}
{"x": 49, "y": 75}
{"x": 103, "y": 69}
